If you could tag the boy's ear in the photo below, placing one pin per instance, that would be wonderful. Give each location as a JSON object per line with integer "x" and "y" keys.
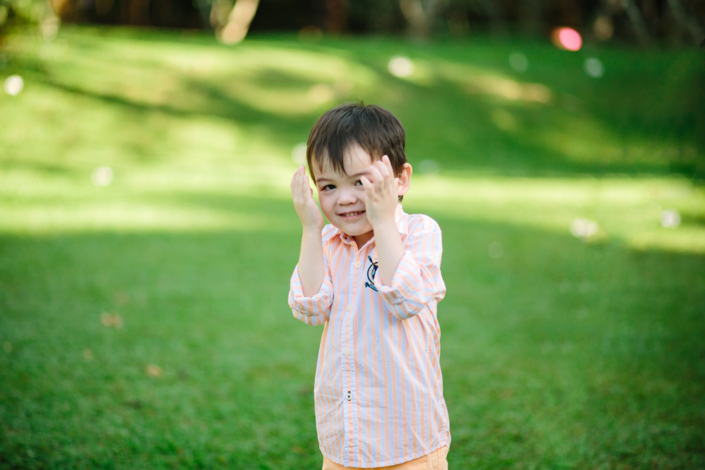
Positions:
{"x": 404, "y": 179}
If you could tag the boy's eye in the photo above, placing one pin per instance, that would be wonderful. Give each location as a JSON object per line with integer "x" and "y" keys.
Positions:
{"x": 358, "y": 183}
{"x": 327, "y": 187}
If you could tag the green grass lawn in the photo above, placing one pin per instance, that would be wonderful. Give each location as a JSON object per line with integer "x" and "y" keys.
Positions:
{"x": 144, "y": 323}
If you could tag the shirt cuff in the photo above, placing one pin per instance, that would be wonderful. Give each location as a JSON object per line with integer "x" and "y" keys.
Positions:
{"x": 316, "y": 304}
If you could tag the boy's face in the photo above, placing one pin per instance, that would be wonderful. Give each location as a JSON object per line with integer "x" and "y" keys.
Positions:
{"x": 342, "y": 196}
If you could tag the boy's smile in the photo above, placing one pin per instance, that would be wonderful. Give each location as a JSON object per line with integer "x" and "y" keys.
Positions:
{"x": 342, "y": 196}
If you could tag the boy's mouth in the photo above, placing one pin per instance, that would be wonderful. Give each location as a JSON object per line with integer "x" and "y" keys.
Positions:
{"x": 349, "y": 215}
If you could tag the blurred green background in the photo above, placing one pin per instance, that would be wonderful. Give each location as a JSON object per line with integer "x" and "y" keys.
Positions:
{"x": 147, "y": 239}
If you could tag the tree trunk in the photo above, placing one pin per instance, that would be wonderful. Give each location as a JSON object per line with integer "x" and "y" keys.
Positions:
{"x": 62, "y": 7}
{"x": 336, "y": 18}
{"x": 532, "y": 17}
{"x": 220, "y": 9}
{"x": 419, "y": 16}
{"x": 498, "y": 24}
{"x": 642, "y": 33}
{"x": 686, "y": 22}
{"x": 239, "y": 21}
{"x": 139, "y": 12}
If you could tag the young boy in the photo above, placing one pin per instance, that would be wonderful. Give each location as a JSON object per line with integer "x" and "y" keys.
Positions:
{"x": 373, "y": 277}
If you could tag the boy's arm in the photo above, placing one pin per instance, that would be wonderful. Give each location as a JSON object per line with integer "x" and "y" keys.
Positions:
{"x": 311, "y": 290}
{"x": 315, "y": 309}
{"x": 409, "y": 276}
{"x": 380, "y": 204}
{"x": 311, "y": 267}
{"x": 417, "y": 281}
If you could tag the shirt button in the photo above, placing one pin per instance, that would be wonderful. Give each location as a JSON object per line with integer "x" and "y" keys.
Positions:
{"x": 357, "y": 265}
{"x": 349, "y": 308}
{"x": 346, "y": 351}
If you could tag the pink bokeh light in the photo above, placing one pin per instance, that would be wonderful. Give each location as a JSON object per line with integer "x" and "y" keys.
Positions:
{"x": 567, "y": 38}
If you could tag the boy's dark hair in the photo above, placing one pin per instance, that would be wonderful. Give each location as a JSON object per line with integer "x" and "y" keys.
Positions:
{"x": 374, "y": 128}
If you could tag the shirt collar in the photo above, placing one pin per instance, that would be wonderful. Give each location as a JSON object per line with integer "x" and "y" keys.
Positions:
{"x": 400, "y": 217}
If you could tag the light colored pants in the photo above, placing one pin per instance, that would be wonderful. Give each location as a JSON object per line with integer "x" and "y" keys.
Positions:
{"x": 433, "y": 461}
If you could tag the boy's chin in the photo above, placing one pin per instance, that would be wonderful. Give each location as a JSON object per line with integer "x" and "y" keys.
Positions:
{"x": 354, "y": 231}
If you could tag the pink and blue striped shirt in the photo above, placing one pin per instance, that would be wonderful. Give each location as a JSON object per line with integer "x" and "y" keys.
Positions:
{"x": 378, "y": 388}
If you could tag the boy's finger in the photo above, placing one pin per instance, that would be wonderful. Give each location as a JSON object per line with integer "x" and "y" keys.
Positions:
{"x": 295, "y": 187}
{"x": 383, "y": 168}
{"x": 388, "y": 163}
{"x": 369, "y": 188}
{"x": 375, "y": 174}
{"x": 304, "y": 187}
{"x": 294, "y": 177}
{"x": 380, "y": 179}
{"x": 377, "y": 179}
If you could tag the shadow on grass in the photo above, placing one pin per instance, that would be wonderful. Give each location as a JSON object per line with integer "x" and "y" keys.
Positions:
{"x": 445, "y": 123}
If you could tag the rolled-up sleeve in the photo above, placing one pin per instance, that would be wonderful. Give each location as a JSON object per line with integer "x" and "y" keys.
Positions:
{"x": 313, "y": 310}
{"x": 417, "y": 280}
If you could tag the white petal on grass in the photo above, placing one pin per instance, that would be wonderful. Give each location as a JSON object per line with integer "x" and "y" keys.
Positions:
{"x": 102, "y": 176}
{"x": 298, "y": 153}
{"x": 111, "y": 320}
{"x": 13, "y": 85}
{"x": 153, "y": 370}
{"x": 518, "y": 62}
{"x": 88, "y": 354}
{"x": 670, "y": 218}
{"x": 401, "y": 66}
{"x": 583, "y": 228}
{"x": 593, "y": 67}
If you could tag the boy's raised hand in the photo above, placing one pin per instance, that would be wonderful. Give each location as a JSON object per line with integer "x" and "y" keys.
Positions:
{"x": 305, "y": 205}
{"x": 380, "y": 192}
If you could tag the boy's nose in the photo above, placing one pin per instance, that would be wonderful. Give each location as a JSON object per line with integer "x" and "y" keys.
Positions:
{"x": 347, "y": 197}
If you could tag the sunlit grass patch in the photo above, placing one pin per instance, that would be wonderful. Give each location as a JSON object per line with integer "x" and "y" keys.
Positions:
{"x": 629, "y": 210}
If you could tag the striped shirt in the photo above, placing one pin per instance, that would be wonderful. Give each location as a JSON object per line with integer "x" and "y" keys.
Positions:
{"x": 378, "y": 389}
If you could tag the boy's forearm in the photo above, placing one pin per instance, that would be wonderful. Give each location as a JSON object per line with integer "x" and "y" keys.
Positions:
{"x": 390, "y": 249}
{"x": 311, "y": 266}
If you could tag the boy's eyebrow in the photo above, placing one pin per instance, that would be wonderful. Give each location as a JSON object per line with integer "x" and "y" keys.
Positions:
{"x": 362, "y": 173}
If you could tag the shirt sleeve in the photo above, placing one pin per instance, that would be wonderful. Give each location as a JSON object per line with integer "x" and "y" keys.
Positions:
{"x": 417, "y": 281}
{"x": 313, "y": 310}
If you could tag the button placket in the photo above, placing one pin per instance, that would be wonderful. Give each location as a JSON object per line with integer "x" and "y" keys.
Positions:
{"x": 355, "y": 283}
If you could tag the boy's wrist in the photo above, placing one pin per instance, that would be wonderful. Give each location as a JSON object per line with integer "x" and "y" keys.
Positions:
{"x": 312, "y": 232}
{"x": 384, "y": 225}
